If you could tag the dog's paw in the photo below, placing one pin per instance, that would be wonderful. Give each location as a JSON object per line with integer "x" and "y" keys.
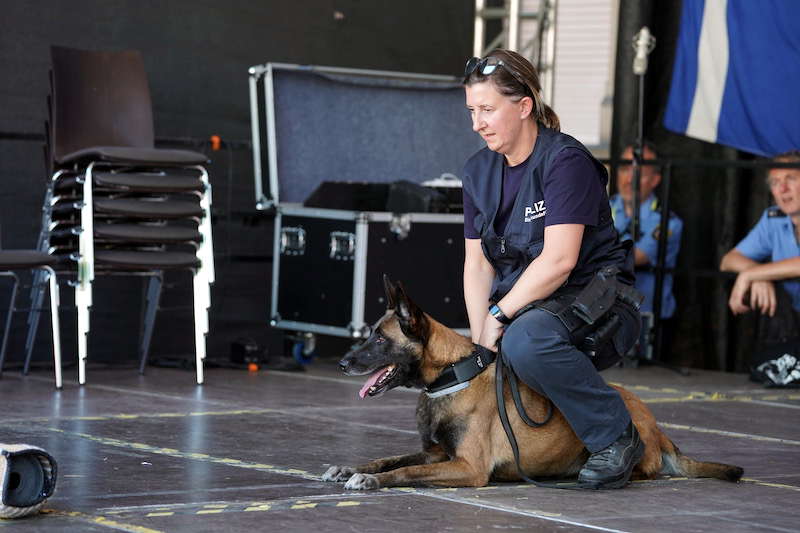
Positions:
{"x": 362, "y": 482}
{"x": 338, "y": 473}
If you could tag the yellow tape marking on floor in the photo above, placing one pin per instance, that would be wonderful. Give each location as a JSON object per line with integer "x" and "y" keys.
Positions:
{"x": 193, "y": 509}
{"x": 303, "y": 506}
{"x": 768, "y": 484}
{"x": 714, "y": 396}
{"x": 186, "y": 455}
{"x": 101, "y": 521}
{"x": 729, "y": 433}
{"x": 258, "y": 508}
{"x": 776, "y": 397}
{"x": 690, "y": 396}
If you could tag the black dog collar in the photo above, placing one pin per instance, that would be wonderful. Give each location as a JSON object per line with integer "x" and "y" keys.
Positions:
{"x": 458, "y": 375}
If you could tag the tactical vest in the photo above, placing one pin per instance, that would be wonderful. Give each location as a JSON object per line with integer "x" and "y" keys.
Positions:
{"x": 523, "y": 238}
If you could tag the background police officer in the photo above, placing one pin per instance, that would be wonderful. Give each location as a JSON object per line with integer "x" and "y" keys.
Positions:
{"x": 646, "y": 245}
{"x": 770, "y": 253}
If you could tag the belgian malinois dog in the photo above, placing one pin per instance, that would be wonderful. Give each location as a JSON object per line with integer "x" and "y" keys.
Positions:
{"x": 463, "y": 442}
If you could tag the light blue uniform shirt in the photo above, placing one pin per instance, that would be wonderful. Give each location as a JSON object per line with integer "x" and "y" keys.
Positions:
{"x": 773, "y": 239}
{"x": 649, "y": 221}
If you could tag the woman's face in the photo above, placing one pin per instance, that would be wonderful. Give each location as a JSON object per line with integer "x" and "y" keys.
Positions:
{"x": 497, "y": 118}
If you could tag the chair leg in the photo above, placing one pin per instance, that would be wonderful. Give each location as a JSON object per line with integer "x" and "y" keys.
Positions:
{"x": 86, "y": 238}
{"x": 200, "y": 285}
{"x": 37, "y": 286}
{"x": 82, "y": 296}
{"x": 153, "y": 298}
{"x": 54, "y": 306}
{"x": 83, "y": 289}
{"x": 10, "y": 313}
{"x": 37, "y": 298}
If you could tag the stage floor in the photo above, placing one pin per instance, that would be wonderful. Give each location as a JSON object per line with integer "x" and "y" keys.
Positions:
{"x": 245, "y": 452}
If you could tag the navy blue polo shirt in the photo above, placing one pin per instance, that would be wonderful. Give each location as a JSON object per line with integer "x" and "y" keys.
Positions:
{"x": 572, "y": 192}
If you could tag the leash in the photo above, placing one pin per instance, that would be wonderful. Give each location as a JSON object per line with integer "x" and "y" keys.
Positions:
{"x": 503, "y": 369}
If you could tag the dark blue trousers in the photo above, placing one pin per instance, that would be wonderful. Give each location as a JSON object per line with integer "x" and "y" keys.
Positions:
{"x": 539, "y": 350}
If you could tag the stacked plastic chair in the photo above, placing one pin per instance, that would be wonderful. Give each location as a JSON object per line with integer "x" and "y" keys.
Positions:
{"x": 115, "y": 204}
{"x": 12, "y": 261}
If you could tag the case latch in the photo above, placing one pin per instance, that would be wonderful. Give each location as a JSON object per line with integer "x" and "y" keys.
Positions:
{"x": 293, "y": 241}
{"x": 343, "y": 245}
{"x": 400, "y": 225}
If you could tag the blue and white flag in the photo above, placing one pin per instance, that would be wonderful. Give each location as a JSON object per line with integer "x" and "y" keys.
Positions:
{"x": 736, "y": 79}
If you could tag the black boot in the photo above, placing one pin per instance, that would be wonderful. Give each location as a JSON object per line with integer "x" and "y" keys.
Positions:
{"x": 611, "y": 467}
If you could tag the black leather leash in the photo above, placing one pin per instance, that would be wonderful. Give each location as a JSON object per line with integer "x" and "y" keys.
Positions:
{"x": 503, "y": 369}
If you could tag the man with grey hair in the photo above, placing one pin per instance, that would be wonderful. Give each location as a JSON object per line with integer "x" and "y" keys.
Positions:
{"x": 767, "y": 261}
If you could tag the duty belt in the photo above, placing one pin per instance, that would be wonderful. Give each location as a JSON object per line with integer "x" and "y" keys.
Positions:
{"x": 586, "y": 314}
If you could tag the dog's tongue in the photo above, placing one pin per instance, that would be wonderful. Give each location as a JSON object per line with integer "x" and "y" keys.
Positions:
{"x": 371, "y": 381}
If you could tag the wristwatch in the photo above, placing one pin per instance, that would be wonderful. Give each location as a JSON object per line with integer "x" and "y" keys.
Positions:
{"x": 499, "y": 315}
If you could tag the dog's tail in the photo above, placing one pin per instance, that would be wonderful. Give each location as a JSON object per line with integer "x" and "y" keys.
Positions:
{"x": 674, "y": 463}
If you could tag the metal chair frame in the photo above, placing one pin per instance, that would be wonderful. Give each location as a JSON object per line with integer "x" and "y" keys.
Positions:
{"x": 54, "y": 307}
{"x": 202, "y": 277}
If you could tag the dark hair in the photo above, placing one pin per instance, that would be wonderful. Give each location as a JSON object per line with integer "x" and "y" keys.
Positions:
{"x": 646, "y": 144}
{"x": 508, "y": 85}
{"x": 791, "y": 156}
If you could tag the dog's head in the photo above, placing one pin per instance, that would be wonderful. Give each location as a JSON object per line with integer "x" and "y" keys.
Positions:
{"x": 392, "y": 354}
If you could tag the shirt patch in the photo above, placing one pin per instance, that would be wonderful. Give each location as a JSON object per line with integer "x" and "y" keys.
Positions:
{"x": 537, "y": 210}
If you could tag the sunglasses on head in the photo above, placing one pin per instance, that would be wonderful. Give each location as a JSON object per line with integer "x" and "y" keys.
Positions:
{"x": 487, "y": 65}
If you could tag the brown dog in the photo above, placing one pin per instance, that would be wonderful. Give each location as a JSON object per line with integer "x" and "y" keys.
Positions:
{"x": 463, "y": 442}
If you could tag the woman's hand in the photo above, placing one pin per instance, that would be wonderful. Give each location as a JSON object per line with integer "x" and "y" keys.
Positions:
{"x": 736, "y": 302}
{"x": 762, "y": 297}
{"x": 491, "y": 333}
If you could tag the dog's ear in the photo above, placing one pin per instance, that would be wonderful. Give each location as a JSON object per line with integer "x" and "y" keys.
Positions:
{"x": 412, "y": 320}
{"x": 390, "y": 291}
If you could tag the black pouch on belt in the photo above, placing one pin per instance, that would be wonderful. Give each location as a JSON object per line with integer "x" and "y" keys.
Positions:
{"x": 588, "y": 315}
{"x": 596, "y": 299}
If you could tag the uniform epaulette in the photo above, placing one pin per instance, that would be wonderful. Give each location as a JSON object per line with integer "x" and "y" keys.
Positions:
{"x": 775, "y": 212}
{"x": 655, "y": 206}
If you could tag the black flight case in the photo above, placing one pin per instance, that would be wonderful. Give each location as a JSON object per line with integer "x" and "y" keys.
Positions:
{"x": 312, "y": 125}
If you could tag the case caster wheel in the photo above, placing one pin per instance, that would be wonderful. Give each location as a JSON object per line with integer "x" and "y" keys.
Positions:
{"x": 304, "y": 349}
{"x": 298, "y": 352}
